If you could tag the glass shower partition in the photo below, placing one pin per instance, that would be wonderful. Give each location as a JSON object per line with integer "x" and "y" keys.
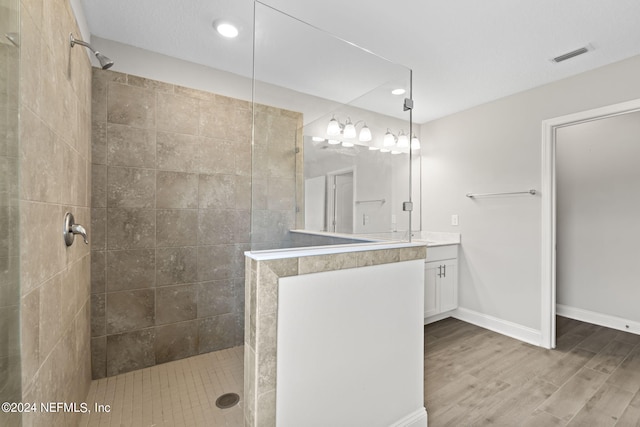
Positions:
{"x": 332, "y": 157}
{"x": 10, "y": 364}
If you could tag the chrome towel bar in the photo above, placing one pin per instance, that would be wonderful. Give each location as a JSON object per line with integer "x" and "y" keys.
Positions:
{"x": 371, "y": 201}
{"x": 472, "y": 195}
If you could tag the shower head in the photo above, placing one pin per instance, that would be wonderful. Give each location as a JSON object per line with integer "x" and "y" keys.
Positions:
{"x": 105, "y": 62}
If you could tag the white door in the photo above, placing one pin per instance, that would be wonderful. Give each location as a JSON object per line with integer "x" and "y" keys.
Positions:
{"x": 343, "y": 203}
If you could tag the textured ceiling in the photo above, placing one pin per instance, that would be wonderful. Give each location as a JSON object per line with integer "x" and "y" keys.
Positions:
{"x": 463, "y": 53}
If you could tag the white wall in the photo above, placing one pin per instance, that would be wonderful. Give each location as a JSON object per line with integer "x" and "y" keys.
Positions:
{"x": 497, "y": 147}
{"x": 598, "y": 207}
{"x": 363, "y": 365}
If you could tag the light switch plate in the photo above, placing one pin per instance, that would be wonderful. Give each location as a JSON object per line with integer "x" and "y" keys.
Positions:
{"x": 454, "y": 219}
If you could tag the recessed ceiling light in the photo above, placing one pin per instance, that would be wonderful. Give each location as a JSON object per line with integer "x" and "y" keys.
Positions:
{"x": 398, "y": 92}
{"x": 226, "y": 29}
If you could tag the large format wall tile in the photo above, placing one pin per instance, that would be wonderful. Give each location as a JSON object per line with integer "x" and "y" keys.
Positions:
{"x": 129, "y": 105}
{"x": 131, "y": 188}
{"x": 130, "y": 310}
{"x": 176, "y": 190}
{"x": 130, "y": 351}
{"x": 130, "y": 269}
{"x": 131, "y": 228}
{"x": 55, "y": 155}
{"x": 171, "y": 218}
{"x": 176, "y": 265}
{"x": 176, "y": 304}
{"x": 130, "y": 146}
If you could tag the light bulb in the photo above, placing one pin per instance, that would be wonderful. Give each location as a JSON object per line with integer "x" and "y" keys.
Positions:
{"x": 226, "y": 29}
{"x": 415, "y": 143}
{"x": 349, "y": 129}
{"x": 403, "y": 140}
{"x": 333, "y": 128}
{"x": 389, "y": 139}
{"x": 365, "y": 134}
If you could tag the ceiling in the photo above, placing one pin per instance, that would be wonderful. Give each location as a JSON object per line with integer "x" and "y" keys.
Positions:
{"x": 463, "y": 53}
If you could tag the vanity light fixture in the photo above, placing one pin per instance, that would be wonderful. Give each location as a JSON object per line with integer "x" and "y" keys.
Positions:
{"x": 403, "y": 140}
{"x": 226, "y": 29}
{"x": 415, "y": 142}
{"x": 348, "y": 129}
{"x": 389, "y": 139}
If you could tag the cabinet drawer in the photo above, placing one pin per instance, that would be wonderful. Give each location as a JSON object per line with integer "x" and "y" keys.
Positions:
{"x": 438, "y": 253}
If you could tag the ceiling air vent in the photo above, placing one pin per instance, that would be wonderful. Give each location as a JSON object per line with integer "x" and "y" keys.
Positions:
{"x": 571, "y": 54}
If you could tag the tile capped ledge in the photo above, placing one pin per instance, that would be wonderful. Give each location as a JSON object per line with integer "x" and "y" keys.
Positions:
{"x": 264, "y": 271}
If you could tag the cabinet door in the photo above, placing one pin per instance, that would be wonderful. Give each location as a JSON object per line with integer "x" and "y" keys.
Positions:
{"x": 448, "y": 285}
{"x": 431, "y": 278}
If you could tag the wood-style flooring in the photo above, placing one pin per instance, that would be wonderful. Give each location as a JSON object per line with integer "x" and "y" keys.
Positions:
{"x": 475, "y": 377}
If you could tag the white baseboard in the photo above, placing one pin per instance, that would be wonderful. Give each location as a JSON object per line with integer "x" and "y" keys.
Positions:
{"x": 607, "y": 320}
{"x": 504, "y": 327}
{"x": 414, "y": 419}
{"x": 437, "y": 317}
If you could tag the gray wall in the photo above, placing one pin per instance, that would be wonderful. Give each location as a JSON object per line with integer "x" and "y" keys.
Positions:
{"x": 598, "y": 207}
{"x": 497, "y": 147}
{"x": 171, "y": 204}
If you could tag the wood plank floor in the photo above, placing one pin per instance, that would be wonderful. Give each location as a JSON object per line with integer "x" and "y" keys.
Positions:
{"x": 475, "y": 377}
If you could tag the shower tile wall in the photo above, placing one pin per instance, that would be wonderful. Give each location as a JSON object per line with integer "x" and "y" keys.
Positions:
{"x": 54, "y": 154}
{"x": 10, "y": 380}
{"x": 171, "y": 212}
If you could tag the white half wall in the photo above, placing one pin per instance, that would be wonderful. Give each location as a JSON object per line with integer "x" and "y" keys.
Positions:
{"x": 350, "y": 347}
{"x": 497, "y": 147}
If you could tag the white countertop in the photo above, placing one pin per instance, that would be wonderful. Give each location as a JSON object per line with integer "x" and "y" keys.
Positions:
{"x": 430, "y": 238}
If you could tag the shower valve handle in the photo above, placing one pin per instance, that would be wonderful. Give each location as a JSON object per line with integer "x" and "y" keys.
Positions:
{"x": 70, "y": 229}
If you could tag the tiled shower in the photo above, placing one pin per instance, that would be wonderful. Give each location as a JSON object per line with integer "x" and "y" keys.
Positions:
{"x": 161, "y": 177}
{"x": 171, "y": 216}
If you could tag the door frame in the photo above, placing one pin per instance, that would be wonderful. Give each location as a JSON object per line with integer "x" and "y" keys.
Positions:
{"x": 331, "y": 192}
{"x": 548, "y": 196}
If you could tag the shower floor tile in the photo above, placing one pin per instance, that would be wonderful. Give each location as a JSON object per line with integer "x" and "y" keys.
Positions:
{"x": 175, "y": 394}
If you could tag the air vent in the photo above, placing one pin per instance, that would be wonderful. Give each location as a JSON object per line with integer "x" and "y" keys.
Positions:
{"x": 571, "y": 54}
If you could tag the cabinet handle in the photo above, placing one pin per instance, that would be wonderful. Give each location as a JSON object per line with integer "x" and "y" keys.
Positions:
{"x": 439, "y": 271}
{"x": 444, "y": 270}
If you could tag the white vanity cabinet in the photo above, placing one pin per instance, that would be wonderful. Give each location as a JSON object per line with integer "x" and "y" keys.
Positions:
{"x": 440, "y": 280}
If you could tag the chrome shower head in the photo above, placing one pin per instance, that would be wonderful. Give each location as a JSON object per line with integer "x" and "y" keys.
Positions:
{"x": 105, "y": 62}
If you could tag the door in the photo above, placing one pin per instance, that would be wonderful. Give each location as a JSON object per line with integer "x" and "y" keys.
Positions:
{"x": 344, "y": 203}
{"x": 341, "y": 202}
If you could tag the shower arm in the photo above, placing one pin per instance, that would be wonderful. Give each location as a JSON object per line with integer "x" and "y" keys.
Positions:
{"x": 75, "y": 41}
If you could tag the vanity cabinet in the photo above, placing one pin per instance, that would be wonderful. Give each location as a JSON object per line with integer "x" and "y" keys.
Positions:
{"x": 440, "y": 280}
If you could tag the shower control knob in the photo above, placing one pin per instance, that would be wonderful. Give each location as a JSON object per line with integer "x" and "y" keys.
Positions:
{"x": 70, "y": 229}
